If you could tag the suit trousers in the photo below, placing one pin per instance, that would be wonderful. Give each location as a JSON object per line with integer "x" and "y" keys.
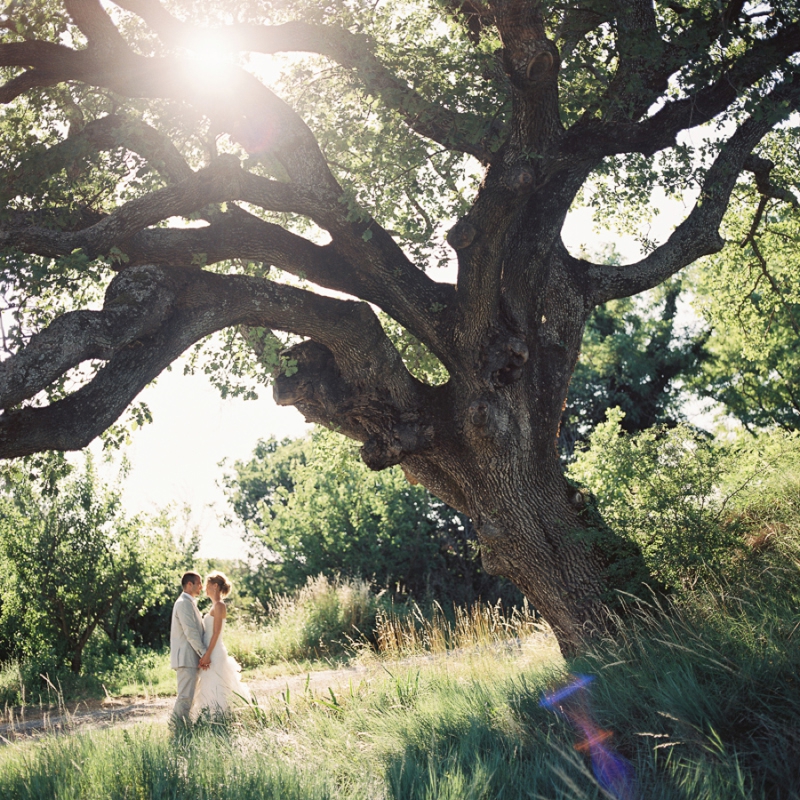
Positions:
{"x": 187, "y": 683}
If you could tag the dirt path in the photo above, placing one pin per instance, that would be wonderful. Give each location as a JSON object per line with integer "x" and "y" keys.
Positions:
{"x": 20, "y": 724}
{"x": 32, "y": 722}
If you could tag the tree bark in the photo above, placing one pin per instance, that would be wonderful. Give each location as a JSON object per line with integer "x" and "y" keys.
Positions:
{"x": 486, "y": 443}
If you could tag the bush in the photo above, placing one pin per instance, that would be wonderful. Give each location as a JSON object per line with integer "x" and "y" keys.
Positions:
{"x": 321, "y": 619}
{"x": 74, "y": 564}
{"x": 699, "y": 509}
{"x": 661, "y": 489}
{"x": 312, "y": 506}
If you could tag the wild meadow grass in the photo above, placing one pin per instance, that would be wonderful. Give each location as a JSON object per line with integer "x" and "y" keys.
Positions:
{"x": 143, "y": 674}
{"x": 699, "y": 694}
{"x": 701, "y": 698}
{"x": 322, "y": 620}
{"x": 414, "y": 630}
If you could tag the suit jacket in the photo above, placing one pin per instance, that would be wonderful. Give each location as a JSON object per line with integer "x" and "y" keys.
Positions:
{"x": 186, "y": 633}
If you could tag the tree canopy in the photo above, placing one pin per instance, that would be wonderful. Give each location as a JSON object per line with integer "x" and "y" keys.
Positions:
{"x": 150, "y": 159}
{"x": 750, "y": 295}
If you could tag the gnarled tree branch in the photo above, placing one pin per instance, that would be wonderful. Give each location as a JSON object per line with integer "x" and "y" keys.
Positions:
{"x": 698, "y": 234}
{"x": 595, "y": 137}
{"x": 407, "y": 294}
{"x": 139, "y": 341}
{"x": 352, "y": 51}
{"x": 104, "y": 133}
{"x": 137, "y": 303}
{"x": 580, "y": 20}
{"x": 94, "y": 23}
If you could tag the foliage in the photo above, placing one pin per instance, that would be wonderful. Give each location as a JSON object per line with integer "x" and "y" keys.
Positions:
{"x": 660, "y": 488}
{"x": 261, "y": 484}
{"x": 74, "y": 563}
{"x": 137, "y": 145}
{"x": 632, "y": 358}
{"x": 750, "y": 295}
{"x": 140, "y": 673}
{"x": 312, "y": 507}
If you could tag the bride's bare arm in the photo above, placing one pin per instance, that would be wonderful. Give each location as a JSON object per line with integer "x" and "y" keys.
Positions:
{"x": 220, "y": 611}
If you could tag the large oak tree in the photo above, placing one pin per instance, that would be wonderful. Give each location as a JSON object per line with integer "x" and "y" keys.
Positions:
{"x": 318, "y": 206}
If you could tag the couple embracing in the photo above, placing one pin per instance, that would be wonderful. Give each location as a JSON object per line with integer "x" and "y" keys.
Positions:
{"x": 208, "y": 678}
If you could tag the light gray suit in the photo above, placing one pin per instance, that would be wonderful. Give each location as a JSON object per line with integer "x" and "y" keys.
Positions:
{"x": 186, "y": 646}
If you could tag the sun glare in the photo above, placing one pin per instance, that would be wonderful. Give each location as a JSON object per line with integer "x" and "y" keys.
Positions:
{"x": 210, "y": 57}
{"x": 216, "y": 45}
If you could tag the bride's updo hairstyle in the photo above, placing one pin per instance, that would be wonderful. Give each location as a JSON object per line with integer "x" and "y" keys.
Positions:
{"x": 220, "y": 579}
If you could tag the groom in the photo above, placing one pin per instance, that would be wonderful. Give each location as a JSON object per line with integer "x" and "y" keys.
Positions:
{"x": 186, "y": 645}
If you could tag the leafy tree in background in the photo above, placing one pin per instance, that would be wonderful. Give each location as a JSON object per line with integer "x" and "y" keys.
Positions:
{"x": 74, "y": 563}
{"x": 399, "y": 119}
{"x": 750, "y": 295}
{"x": 633, "y": 359}
{"x": 260, "y": 485}
{"x": 310, "y": 507}
{"x": 661, "y": 488}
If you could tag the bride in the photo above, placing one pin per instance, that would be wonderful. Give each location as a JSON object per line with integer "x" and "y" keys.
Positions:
{"x": 218, "y": 685}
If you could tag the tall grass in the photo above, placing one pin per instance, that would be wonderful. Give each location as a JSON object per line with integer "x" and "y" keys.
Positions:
{"x": 320, "y": 620}
{"x": 700, "y": 694}
{"x": 148, "y": 763}
{"x": 702, "y": 700}
{"x": 413, "y": 631}
{"x": 141, "y": 673}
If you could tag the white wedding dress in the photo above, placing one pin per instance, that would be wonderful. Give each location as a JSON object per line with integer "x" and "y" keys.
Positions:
{"x": 220, "y": 685}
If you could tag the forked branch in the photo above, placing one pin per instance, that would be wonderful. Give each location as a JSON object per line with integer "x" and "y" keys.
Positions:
{"x": 139, "y": 338}
{"x": 455, "y": 130}
{"x": 698, "y": 234}
{"x": 592, "y": 136}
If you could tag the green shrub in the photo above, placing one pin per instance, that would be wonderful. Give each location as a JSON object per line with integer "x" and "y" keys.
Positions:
{"x": 661, "y": 488}
{"x": 703, "y": 702}
{"x": 313, "y": 507}
{"x": 72, "y": 563}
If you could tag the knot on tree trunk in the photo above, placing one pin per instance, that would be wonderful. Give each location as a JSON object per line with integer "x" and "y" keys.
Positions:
{"x": 576, "y": 498}
{"x": 531, "y": 63}
{"x": 387, "y": 448}
{"x": 488, "y": 420}
{"x": 540, "y": 65}
{"x": 505, "y": 360}
{"x": 492, "y": 539}
{"x": 519, "y": 179}
{"x": 141, "y": 297}
{"x": 478, "y": 413}
{"x": 310, "y": 380}
{"x": 461, "y": 235}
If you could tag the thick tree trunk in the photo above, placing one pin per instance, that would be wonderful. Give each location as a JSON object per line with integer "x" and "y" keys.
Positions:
{"x": 509, "y": 331}
{"x": 541, "y": 532}
{"x": 486, "y": 444}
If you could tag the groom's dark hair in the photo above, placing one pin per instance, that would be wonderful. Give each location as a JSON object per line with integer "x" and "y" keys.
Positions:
{"x": 190, "y": 577}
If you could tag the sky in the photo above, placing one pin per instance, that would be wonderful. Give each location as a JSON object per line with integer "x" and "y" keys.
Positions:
{"x": 175, "y": 460}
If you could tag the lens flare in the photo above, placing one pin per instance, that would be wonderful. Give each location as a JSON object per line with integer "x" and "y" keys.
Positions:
{"x": 612, "y": 771}
{"x": 255, "y": 132}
